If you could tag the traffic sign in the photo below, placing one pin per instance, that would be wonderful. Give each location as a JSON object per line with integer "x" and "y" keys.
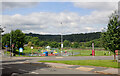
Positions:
{"x": 6, "y": 45}
{"x": 20, "y": 49}
{"x": 12, "y": 45}
{"x": 31, "y": 47}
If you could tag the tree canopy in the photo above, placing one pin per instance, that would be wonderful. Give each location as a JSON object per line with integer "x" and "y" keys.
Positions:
{"x": 111, "y": 36}
{"x": 72, "y": 37}
{"x": 17, "y": 38}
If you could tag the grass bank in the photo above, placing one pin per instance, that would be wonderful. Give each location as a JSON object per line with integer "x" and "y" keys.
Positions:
{"x": 100, "y": 63}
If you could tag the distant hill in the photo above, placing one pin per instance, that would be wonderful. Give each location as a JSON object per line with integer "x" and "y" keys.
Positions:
{"x": 72, "y": 37}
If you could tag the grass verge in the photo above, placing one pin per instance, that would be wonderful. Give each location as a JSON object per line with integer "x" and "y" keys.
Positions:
{"x": 100, "y": 63}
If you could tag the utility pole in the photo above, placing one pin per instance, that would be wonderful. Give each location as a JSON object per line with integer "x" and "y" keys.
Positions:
{"x": 1, "y": 30}
{"x": 11, "y": 42}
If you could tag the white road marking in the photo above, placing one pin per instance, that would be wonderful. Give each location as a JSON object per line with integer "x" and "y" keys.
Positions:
{"x": 34, "y": 73}
{"x": 19, "y": 62}
{"x": 43, "y": 69}
{"x": 27, "y": 60}
{"x": 22, "y": 70}
{"x": 1, "y": 68}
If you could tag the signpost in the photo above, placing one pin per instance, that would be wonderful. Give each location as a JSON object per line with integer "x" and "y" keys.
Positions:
{"x": 6, "y": 48}
{"x": 32, "y": 50}
{"x": 12, "y": 49}
{"x": 93, "y": 51}
{"x": 20, "y": 50}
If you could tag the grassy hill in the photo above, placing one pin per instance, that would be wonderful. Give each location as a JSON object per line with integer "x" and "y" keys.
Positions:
{"x": 82, "y": 37}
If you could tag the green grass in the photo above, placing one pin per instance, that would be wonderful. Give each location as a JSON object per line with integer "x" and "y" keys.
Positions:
{"x": 88, "y": 52}
{"x": 27, "y": 56}
{"x": 82, "y": 52}
{"x": 100, "y": 63}
{"x": 29, "y": 50}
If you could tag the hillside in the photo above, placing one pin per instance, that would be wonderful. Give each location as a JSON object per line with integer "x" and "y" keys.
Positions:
{"x": 72, "y": 37}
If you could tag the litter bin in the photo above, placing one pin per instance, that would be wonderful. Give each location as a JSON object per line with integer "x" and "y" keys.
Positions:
{"x": 46, "y": 53}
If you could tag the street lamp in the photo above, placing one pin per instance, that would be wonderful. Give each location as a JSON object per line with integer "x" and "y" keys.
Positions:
{"x": 11, "y": 46}
{"x": 61, "y": 41}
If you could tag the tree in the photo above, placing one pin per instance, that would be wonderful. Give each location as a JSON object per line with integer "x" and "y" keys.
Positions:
{"x": 66, "y": 43}
{"x": 35, "y": 40}
{"x": 43, "y": 43}
{"x": 111, "y": 36}
{"x": 6, "y": 39}
{"x": 18, "y": 38}
{"x": 75, "y": 45}
{"x": 30, "y": 44}
{"x": 28, "y": 39}
{"x": 54, "y": 44}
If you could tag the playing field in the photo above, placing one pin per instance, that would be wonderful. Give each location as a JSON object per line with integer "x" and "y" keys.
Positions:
{"x": 76, "y": 52}
{"x": 89, "y": 53}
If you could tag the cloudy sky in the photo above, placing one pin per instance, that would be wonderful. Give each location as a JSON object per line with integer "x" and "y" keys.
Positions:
{"x": 46, "y": 17}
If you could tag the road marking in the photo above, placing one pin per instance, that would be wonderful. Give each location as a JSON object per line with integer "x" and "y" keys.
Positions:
{"x": 1, "y": 68}
{"x": 34, "y": 73}
{"x": 19, "y": 62}
{"x": 59, "y": 57}
{"x": 22, "y": 70}
{"x": 27, "y": 60}
{"x": 43, "y": 69}
{"x": 84, "y": 68}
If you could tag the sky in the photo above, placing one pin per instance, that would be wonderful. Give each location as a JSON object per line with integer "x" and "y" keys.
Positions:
{"x": 56, "y": 17}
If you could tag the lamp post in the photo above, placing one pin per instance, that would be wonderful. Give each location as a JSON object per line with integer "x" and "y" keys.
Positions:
{"x": 61, "y": 42}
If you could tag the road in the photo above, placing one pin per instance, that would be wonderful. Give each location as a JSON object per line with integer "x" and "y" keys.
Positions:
{"x": 22, "y": 68}
{"x": 65, "y": 58}
{"x": 25, "y": 66}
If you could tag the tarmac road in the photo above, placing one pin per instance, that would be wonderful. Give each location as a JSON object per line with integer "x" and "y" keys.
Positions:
{"x": 34, "y": 59}
{"x": 24, "y": 66}
{"x": 19, "y": 67}
{"x": 64, "y": 58}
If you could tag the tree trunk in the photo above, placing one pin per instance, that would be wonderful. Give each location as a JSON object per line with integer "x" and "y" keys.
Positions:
{"x": 114, "y": 56}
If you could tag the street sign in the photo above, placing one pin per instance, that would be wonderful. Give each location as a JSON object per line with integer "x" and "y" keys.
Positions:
{"x": 61, "y": 45}
{"x": 6, "y": 45}
{"x": 31, "y": 47}
{"x": 20, "y": 49}
{"x": 12, "y": 45}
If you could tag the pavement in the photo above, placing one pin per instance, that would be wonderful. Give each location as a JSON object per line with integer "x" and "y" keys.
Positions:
{"x": 101, "y": 70}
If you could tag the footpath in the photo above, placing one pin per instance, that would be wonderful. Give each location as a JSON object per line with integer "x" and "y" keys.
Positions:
{"x": 101, "y": 70}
